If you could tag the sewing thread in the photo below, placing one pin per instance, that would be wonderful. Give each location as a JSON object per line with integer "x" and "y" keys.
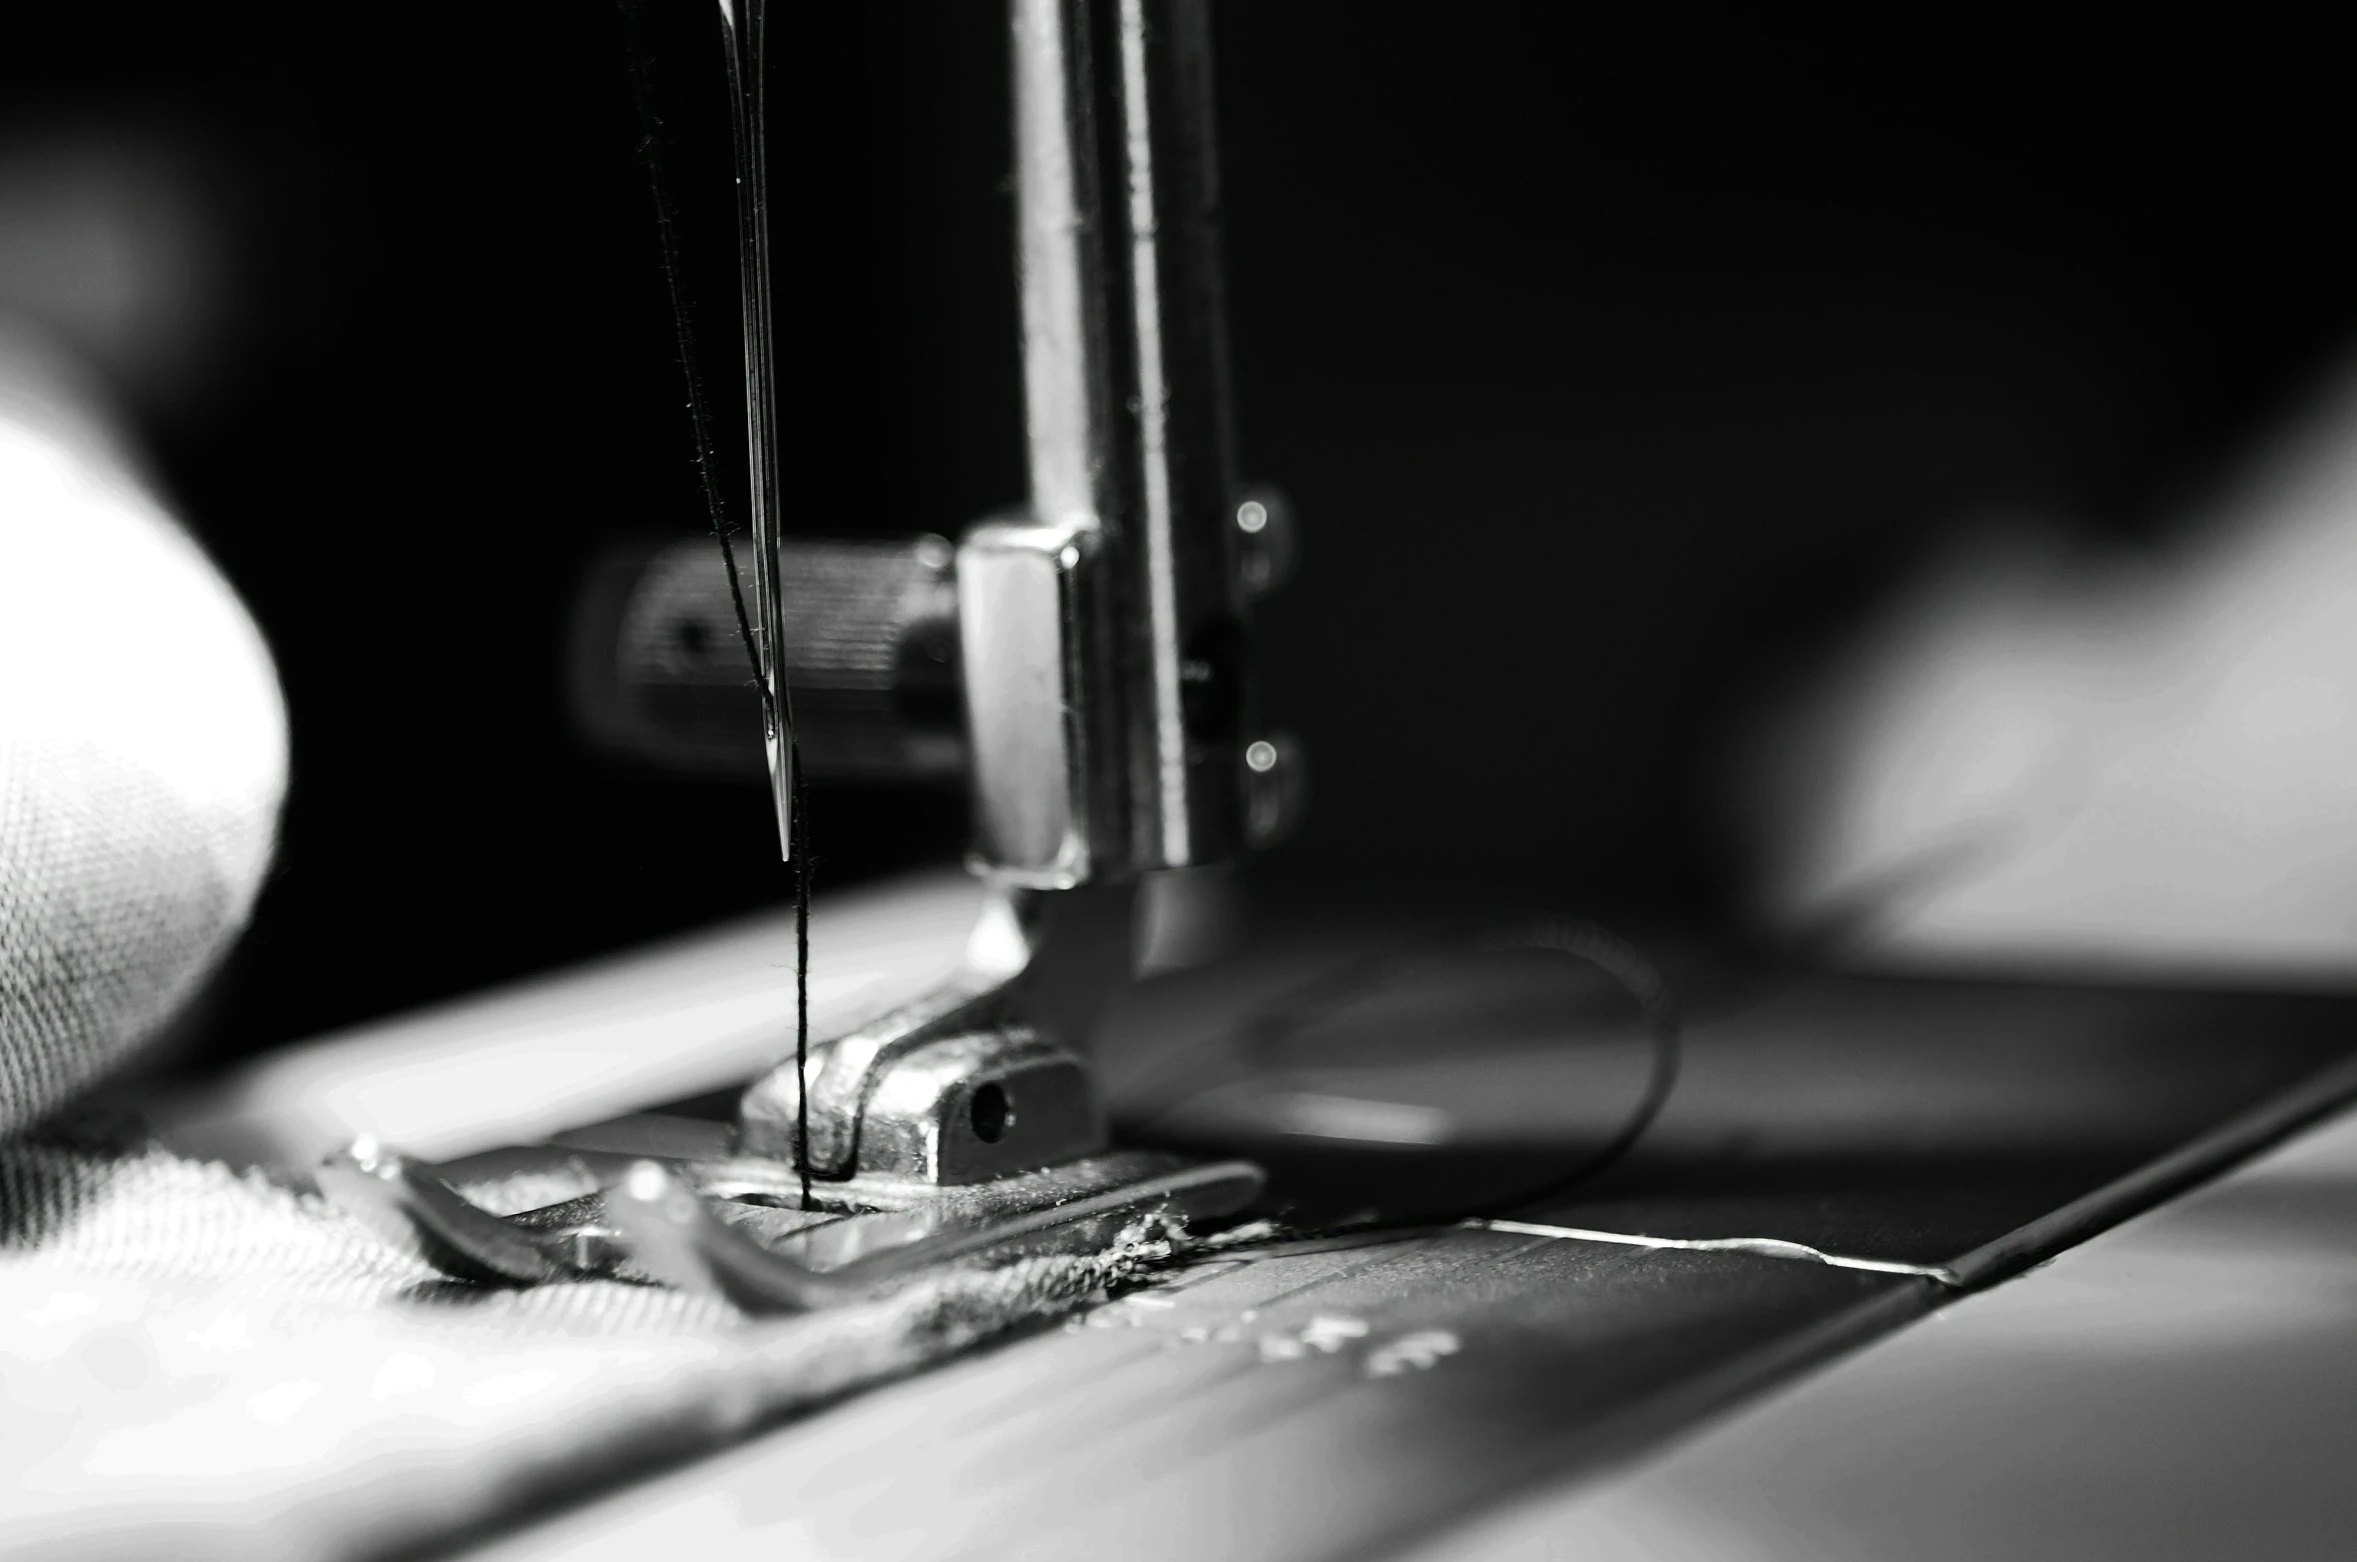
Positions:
{"x": 768, "y": 674}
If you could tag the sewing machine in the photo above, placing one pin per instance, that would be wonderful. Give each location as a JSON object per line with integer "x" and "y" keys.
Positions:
{"x": 1847, "y": 1154}
{"x": 1109, "y": 730}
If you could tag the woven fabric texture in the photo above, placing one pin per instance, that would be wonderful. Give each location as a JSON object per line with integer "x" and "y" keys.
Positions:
{"x": 203, "y": 1364}
{"x": 142, "y": 750}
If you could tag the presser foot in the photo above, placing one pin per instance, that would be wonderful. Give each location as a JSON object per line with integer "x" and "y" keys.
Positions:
{"x": 962, "y": 1128}
{"x": 734, "y": 1229}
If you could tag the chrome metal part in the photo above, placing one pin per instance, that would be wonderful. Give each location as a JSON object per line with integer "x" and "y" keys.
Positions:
{"x": 743, "y": 23}
{"x": 677, "y": 1235}
{"x": 886, "y": 1100}
{"x": 1032, "y": 600}
{"x": 716, "y": 1228}
{"x": 1269, "y": 540}
{"x": 411, "y": 1207}
{"x": 1110, "y": 716}
{"x": 1276, "y": 787}
{"x": 871, "y": 659}
{"x": 1111, "y": 722}
{"x": 1125, "y": 383}
{"x": 963, "y": 1109}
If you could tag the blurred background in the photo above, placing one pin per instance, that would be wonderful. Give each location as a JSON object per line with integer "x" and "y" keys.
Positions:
{"x": 1616, "y": 360}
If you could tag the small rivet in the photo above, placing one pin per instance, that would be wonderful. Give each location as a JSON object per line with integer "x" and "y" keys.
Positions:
{"x": 1261, "y": 756}
{"x": 1070, "y": 557}
{"x": 1252, "y": 516}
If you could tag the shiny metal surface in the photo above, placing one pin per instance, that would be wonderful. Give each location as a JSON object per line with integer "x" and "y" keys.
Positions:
{"x": 756, "y": 1182}
{"x": 871, "y": 659}
{"x": 1040, "y": 599}
{"x": 407, "y": 1203}
{"x": 1040, "y": 968}
{"x": 1132, "y": 465}
{"x": 977, "y": 1083}
{"x": 1107, "y": 698}
{"x": 1186, "y": 497}
{"x": 1108, "y": 704}
{"x": 676, "y": 1234}
{"x": 981, "y": 1105}
{"x": 1068, "y": 391}
{"x": 1046, "y": 776}
{"x": 743, "y": 25}
{"x": 1269, "y": 539}
{"x": 718, "y": 1228}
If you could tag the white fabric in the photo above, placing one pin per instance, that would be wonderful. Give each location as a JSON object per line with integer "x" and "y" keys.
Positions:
{"x": 200, "y": 1364}
{"x": 2133, "y": 765}
{"x": 142, "y": 751}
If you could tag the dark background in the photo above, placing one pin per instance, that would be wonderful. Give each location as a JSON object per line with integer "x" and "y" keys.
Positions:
{"x": 1615, "y": 358}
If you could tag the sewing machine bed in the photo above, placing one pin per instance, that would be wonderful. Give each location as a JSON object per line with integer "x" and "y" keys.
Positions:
{"x": 1358, "y": 1392}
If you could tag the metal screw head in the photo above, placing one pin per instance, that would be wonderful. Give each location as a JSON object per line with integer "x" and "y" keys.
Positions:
{"x": 1276, "y": 787}
{"x": 1269, "y": 541}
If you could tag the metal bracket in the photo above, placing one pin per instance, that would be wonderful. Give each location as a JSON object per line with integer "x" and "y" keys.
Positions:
{"x": 984, "y": 1077}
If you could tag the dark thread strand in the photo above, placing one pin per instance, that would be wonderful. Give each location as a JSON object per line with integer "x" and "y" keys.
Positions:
{"x": 1637, "y": 976}
{"x": 744, "y": 52}
{"x": 773, "y": 720}
{"x": 801, "y": 845}
{"x": 650, "y": 157}
{"x": 1261, "y": 1037}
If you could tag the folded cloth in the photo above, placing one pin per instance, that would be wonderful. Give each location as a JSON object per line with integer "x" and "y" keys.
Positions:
{"x": 202, "y": 1363}
{"x": 142, "y": 747}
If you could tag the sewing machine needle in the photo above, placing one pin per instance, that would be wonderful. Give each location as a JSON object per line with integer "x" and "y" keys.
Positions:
{"x": 742, "y": 25}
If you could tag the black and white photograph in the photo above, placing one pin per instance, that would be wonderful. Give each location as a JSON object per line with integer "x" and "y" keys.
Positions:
{"x": 1249, "y": 780}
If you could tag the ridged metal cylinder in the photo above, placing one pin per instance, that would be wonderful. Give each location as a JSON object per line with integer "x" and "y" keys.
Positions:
{"x": 871, "y": 659}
